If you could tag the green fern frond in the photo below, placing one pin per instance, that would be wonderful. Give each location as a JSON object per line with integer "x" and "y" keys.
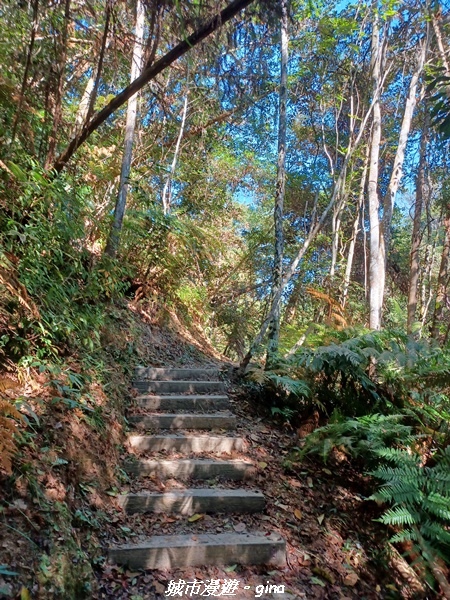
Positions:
{"x": 405, "y": 535}
{"x": 398, "y": 515}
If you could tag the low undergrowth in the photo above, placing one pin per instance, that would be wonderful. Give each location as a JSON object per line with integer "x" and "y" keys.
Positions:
{"x": 383, "y": 399}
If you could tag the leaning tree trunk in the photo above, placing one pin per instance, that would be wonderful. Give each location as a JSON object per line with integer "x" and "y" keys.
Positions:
{"x": 167, "y": 191}
{"x": 397, "y": 168}
{"x": 151, "y": 70}
{"x": 136, "y": 66}
{"x": 274, "y": 327}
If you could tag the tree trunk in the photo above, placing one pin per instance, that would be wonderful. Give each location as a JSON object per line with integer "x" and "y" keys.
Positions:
{"x": 277, "y": 276}
{"x": 336, "y": 227}
{"x": 397, "y": 168}
{"x": 442, "y": 297}
{"x": 416, "y": 237}
{"x": 438, "y": 35}
{"x": 376, "y": 263}
{"x": 57, "y": 108}
{"x": 150, "y": 72}
{"x": 358, "y": 217}
{"x": 86, "y": 107}
{"x": 167, "y": 192}
{"x": 29, "y": 58}
{"x": 136, "y": 66}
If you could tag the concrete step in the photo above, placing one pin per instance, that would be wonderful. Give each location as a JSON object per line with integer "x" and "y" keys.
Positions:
{"x": 181, "y": 402}
{"x": 188, "y": 502}
{"x": 173, "y": 374}
{"x": 199, "y": 469}
{"x": 186, "y": 443}
{"x": 180, "y": 387}
{"x": 223, "y": 420}
{"x": 178, "y": 551}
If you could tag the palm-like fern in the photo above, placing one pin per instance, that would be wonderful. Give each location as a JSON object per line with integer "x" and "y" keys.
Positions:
{"x": 420, "y": 503}
{"x": 364, "y": 437}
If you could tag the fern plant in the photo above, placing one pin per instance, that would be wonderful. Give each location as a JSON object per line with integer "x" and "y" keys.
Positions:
{"x": 419, "y": 499}
{"x": 364, "y": 437}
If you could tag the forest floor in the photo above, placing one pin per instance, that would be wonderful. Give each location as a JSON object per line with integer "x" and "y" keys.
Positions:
{"x": 335, "y": 549}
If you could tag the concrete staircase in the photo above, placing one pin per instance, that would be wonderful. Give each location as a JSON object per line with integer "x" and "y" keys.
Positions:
{"x": 183, "y": 406}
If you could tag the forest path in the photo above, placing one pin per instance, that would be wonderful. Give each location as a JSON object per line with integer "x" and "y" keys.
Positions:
{"x": 183, "y": 428}
{"x": 215, "y": 493}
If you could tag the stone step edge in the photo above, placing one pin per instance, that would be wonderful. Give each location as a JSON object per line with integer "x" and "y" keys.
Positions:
{"x": 186, "y": 443}
{"x": 191, "y": 403}
{"x": 191, "y": 468}
{"x": 193, "y": 500}
{"x": 175, "y": 373}
{"x": 179, "y": 382}
{"x": 181, "y": 397}
{"x": 192, "y": 420}
{"x": 178, "y": 551}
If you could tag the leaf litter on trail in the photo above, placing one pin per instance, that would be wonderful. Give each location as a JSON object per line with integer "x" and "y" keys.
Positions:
{"x": 298, "y": 513}
{"x": 195, "y": 517}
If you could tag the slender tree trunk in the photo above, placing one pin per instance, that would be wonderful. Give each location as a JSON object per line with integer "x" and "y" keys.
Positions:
{"x": 358, "y": 218}
{"x": 438, "y": 36}
{"x": 86, "y": 107}
{"x": 277, "y": 276}
{"x": 57, "y": 108}
{"x": 150, "y": 72}
{"x": 442, "y": 296}
{"x": 167, "y": 192}
{"x": 136, "y": 66}
{"x": 375, "y": 262}
{"x": 29, "y": 59}
{"x": 416, "y": 237}
{"x": 397, "y": 169}
{"x": 336, "y": 227}
{"x": 83, "y": 107}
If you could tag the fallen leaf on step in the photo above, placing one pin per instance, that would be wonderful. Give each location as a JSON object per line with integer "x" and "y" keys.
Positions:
{"x": 320, "y": 519}
{"x": 20, "y": 504}
{"x": 25, "y": 594}
{"x": 159, "y": 587}
{"x": 230, "y": 569}
{"x": 351, "y": 579}
{"x": 195, "y": 517}
{"x": 298, "y": 514}
{"x": 262, "y": 465}
{"x": 240, "y": 527}
{"x": 132, "y": 574}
